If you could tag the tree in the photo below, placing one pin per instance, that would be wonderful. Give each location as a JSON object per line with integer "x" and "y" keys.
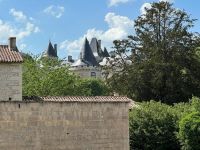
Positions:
{"x": 189, "y": 132}
{"x": 164, "y": 63}
{"x": 152, "y": 125}
{"x": 47, "y": 77}
{"x": 92, "y": 87}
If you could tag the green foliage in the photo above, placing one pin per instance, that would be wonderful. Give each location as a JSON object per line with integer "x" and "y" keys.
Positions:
{"x": 189, "y": 132}
{"x": 47, "y": 77}
{"x": 183, "y": 109}
{"x": 92, "y": 87}
{"x": 153, "y": 126}
{"x": 164, "y": 57}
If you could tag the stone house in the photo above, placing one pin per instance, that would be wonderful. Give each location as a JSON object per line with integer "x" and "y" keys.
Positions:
{"x": 10, "y": 72}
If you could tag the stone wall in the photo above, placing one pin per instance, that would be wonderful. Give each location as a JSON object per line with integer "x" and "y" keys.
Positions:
{"x": 85, "y": 72}
{"x": 64, "y": 126}
{"x": 10, "y": 81}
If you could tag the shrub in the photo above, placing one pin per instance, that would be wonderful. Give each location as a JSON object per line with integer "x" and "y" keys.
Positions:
{"x": 189, "y": 131}
{"x": 153, "y": 126}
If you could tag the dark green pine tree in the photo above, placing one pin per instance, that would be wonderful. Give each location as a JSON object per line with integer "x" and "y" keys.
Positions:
{"x": 165, "y": 65}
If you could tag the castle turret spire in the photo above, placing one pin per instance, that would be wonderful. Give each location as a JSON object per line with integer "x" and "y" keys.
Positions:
{"x": 51, "y": 51}
{"x": 87, "y": 54}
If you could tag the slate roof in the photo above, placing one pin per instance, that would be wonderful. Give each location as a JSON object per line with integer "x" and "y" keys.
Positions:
{"x": 99, "y": 99}
{"x": 51, "y": 52}
{"x": 86, "y": 56}
{"x": 9, "y": 56}
{"x": 105, "y": 53}
{"x": 96, "y": 48}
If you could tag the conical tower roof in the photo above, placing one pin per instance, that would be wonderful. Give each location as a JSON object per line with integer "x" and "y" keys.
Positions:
{"x": 87, "y": 54}
{"x": 105, "y": 53}
{"x": 94, "y": 45}
{"x": 51, "y": 51}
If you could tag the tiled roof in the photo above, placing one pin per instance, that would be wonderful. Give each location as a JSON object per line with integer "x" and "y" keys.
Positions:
{"x": 86, "y": 99}
{"x": 9, "y": 56}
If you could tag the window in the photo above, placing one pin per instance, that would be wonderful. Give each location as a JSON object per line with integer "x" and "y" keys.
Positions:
{"x": 93, "y": 74}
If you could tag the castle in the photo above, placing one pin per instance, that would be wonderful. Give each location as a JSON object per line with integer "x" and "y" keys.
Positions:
{"x": 57, "y": 123}
{"x": 88, "y": 63}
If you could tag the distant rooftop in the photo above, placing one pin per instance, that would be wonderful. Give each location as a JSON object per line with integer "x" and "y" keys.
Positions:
{"x": 91, "y": 53}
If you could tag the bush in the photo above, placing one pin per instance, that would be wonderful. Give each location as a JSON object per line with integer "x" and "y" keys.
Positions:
{"x": 153, "y": 126}
{"x": 91, "y": 87}
{"x": 189, "y": 131}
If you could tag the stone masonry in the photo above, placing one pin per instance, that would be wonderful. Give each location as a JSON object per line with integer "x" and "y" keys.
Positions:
{"x": 64, "y": 126}
{"x": 10, "y": 81}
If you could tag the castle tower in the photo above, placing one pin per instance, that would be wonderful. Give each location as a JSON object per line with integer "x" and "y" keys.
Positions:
{"x": 86, "y": 65}
{"x": 51, "y": 51}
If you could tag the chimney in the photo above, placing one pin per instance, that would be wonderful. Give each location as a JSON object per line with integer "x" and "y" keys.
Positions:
{"x": 70, "y": 58}
{"x": 12, "y": 43}
{"x": 55, "y": 48}
{"x": 99, "y": 43}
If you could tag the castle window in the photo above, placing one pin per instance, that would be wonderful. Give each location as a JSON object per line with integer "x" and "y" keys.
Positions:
{"x": 93, "y": 74}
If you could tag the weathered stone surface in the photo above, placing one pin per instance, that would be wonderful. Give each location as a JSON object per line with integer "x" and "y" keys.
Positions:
{"x": 87, "y": 72}
{"x": 10, "y": 82}
{"x": 63, "y": 126}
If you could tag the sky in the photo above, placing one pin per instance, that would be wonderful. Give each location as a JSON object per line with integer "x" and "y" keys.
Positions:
{"x": 68, "y": 22}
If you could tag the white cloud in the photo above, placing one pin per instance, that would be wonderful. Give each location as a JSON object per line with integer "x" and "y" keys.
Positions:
{"x": 144, "y": 7}
{"x": 148, "y": 6}
{"x": 25, "y": 27}
{"x": 27, "y": 30}
{"x": 19, "y": 15}
{"x": 116, "y": 2}
{"x": 55, "y": 11}
{"x": 119, "y": 27}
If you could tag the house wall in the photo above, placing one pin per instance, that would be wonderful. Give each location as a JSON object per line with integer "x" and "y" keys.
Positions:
{"x": 85, "y": 72}
{"x": 64, "y": 126}
{"x": 10, "y": 81}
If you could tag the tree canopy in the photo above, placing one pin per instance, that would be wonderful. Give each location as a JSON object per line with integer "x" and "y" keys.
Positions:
{"x": 164, "y": 57}
{"x": 47, "y": 77}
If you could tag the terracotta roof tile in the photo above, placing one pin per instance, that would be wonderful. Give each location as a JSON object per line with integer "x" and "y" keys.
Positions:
{"x": 132, "y": 105}
{"x": 87, "y": 99}
{"x": 122, "y": 99}
{"x": 9, "y": 56}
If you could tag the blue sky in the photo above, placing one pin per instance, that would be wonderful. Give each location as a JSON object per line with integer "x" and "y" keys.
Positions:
{"x": 67, "y": 22}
